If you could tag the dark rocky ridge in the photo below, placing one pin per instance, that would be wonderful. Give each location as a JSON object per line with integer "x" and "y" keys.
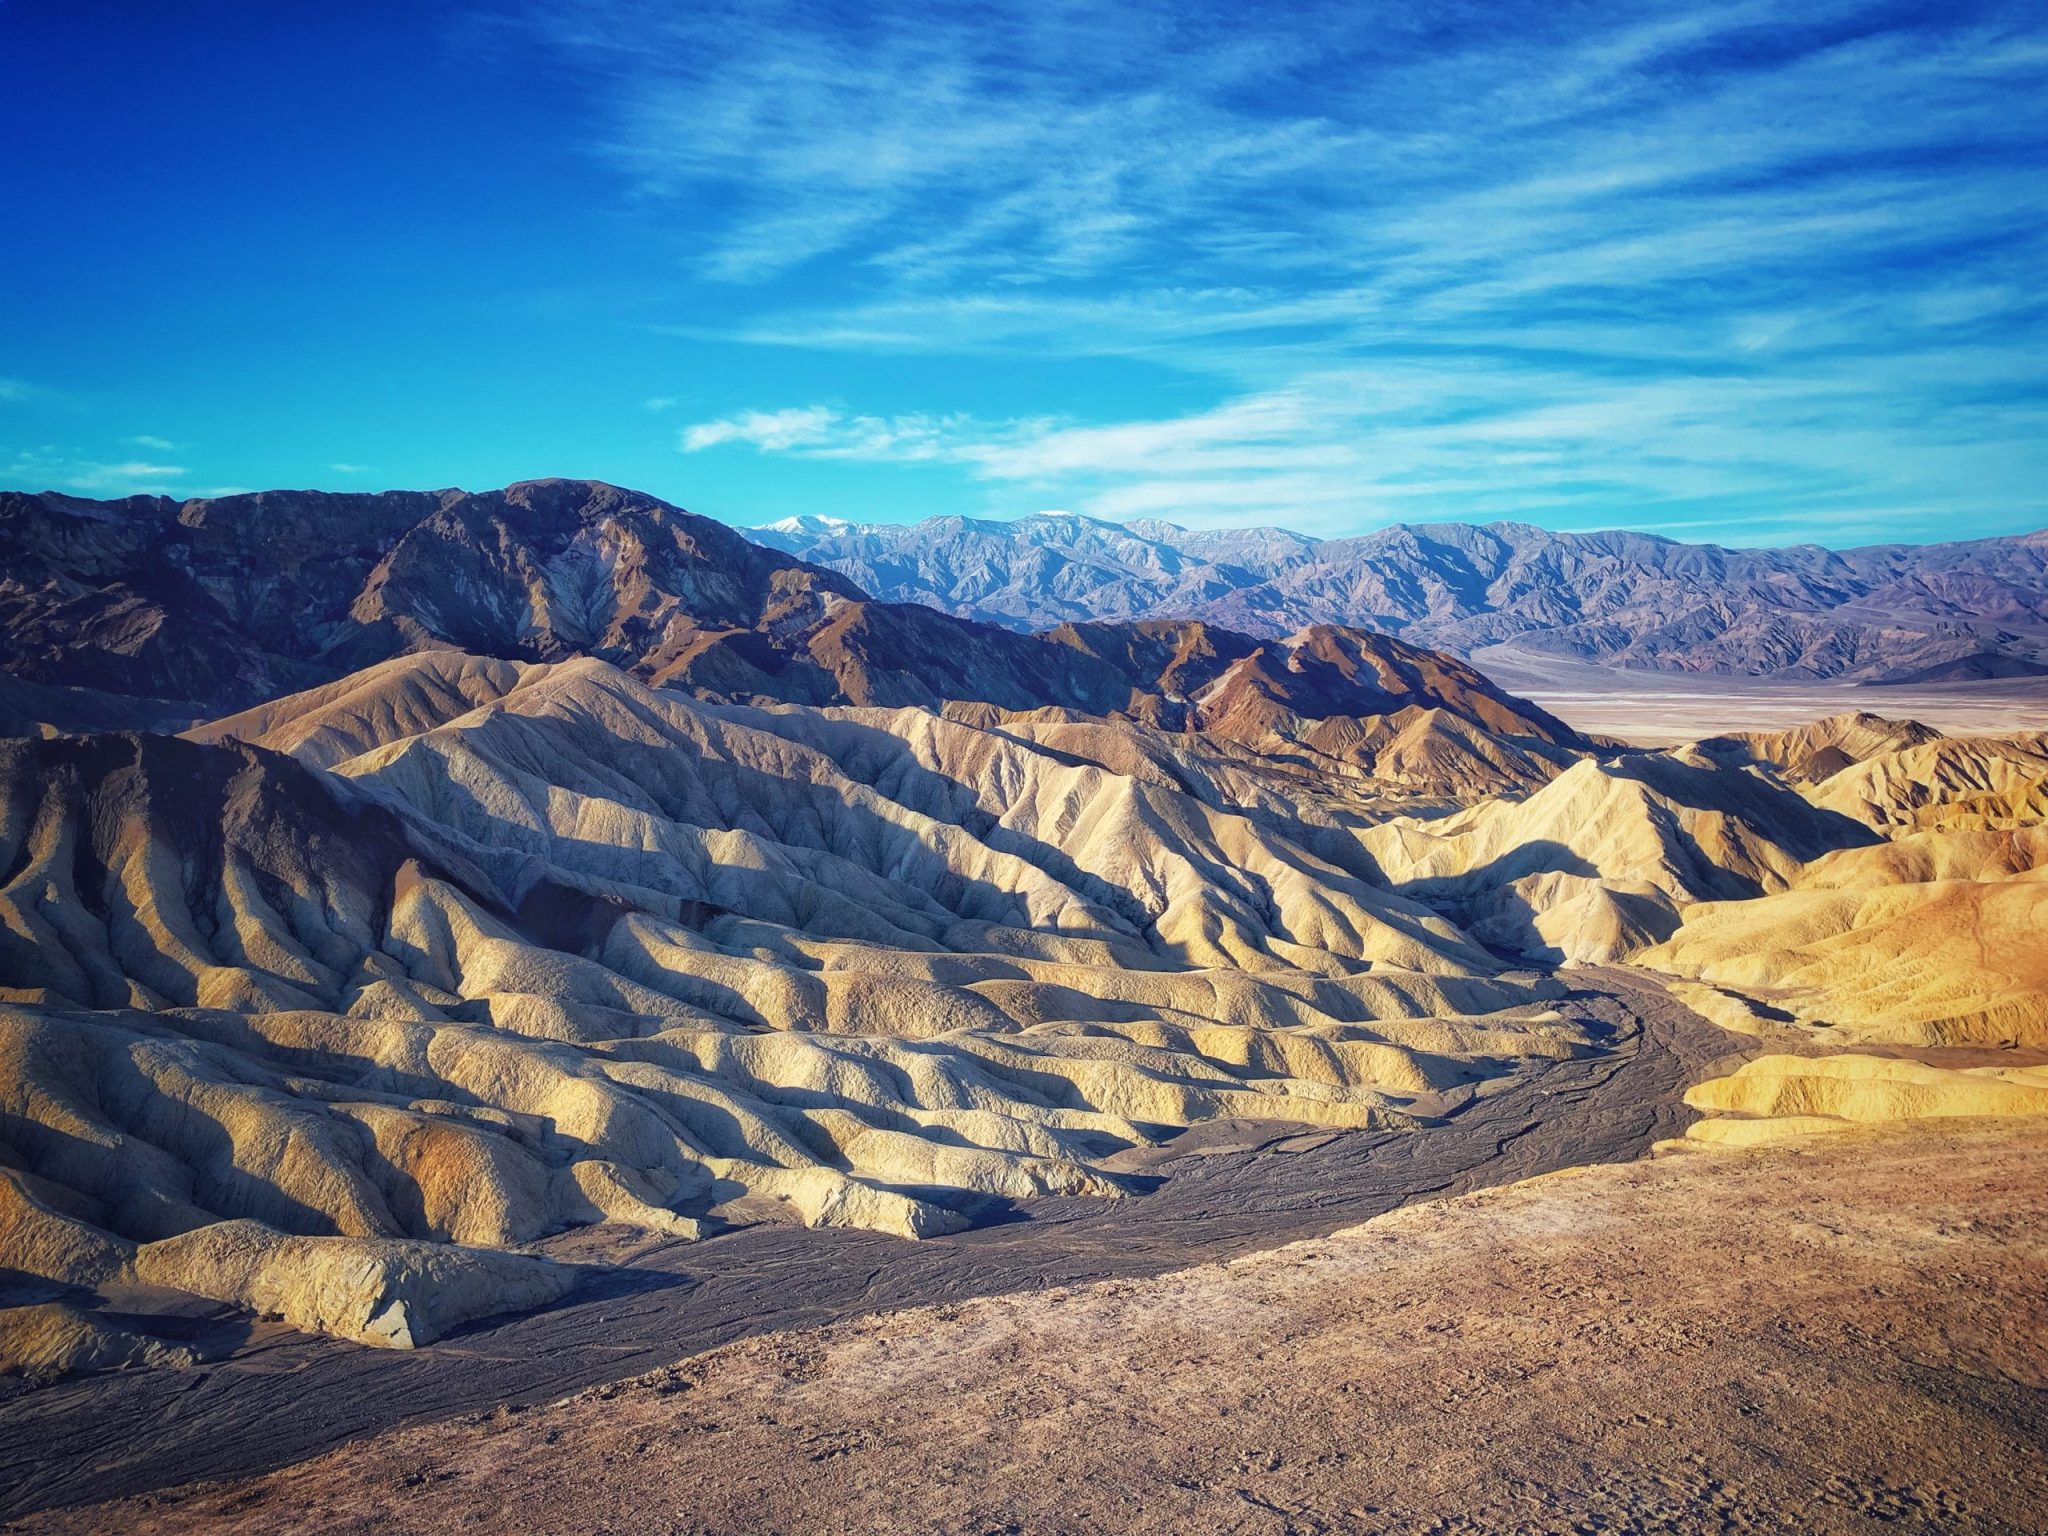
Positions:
{"x": 231, "y": 601}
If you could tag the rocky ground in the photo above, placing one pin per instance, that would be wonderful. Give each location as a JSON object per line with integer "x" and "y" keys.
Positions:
{"x": 269, "y": 1395}
{"x": 1838, "y": 1335}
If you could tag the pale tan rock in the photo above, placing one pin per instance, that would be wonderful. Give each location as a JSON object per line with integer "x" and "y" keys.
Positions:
{"x": 1776, "y": 1097}
{"x": 1954, "y": 784}
{"x": 1807, "y": 754}
{"x": 1601, "y": 861}
{"x": 36, "y": 1238}
{"x": 1759, "y": 1131}
{"x": 1936, "y": 962}
{"x": 384, "y": 703}
{"x": 546, "y": 946}
{"x": 392, "y": 1294}
{"x": 1730, "y": 1010}
{"x": 52, "y": 1339}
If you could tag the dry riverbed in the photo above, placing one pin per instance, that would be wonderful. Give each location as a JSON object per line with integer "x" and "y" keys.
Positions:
{"x": 271, "y": 1397}
{"x": 1835, "y": 1336}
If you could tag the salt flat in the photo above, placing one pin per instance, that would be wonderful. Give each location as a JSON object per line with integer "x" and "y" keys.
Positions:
{"x": 1657, "y": 709}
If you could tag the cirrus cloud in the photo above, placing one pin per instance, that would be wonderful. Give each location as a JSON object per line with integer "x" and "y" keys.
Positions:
{"x": 1451, "y": 257}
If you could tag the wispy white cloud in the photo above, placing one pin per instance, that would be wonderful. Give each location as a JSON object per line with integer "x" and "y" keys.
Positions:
{"x": 1632, "y": 261}
{"x": 342, "y": 467}
{"x": 51, "y": 467}
{"x": 1032, "y": 142}
{"x": 160, "y": 445}
{"x": 1260, "y": 452}
{"x": 128, "y": 478}
{"x": 807, "y": 428}
{"x": 1361, "y": 446}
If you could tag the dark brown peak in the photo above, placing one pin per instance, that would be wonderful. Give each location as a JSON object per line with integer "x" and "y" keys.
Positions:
{"x": 556, "y": 503}
{"x": 1327, "y": 642}
{"x": 1149, "y": 643}
{"x": 1358, "y": 639}
{"x": 28, "y": 503}
{"x": 892, "y": 654}
{"x": 1866, "y": 720}
{"x": 1336, "y": 670}
{"x": 554, "y": 509}
{"x": 543, "y": 486}
{"x": 1321, "y": 672}
{"x": 258, "y": 507}
{"x": 1178, "y": 629}
{"x": 1349, "y": 648}
{"x": 581, "y": 499}
{"x": 234, "y": 600}
{"x": 567, "y": 504}
{"x": 798, "y": 577}
{"x": 291, "y": 589}
{"x": 1827, "y": 762}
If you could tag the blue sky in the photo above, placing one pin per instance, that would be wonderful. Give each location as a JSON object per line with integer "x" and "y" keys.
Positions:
{"x": 1752, "y": 273}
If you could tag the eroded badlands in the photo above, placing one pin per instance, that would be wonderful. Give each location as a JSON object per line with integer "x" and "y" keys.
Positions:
{"x": 444, "y": 990}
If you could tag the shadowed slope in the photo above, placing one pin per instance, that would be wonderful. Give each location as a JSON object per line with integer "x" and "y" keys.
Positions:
{"x": 1811, "y": 753}
{"x": 142, "y": 870}
{"x": 1602, "y": 860}
{"x": 1932, "y": 937}
{"x": 1956, "y": 783}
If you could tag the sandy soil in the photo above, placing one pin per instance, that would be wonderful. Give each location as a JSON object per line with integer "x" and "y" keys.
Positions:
{"x": 272, "y": 1397}
{"x": 1833, "y": 1337}
{"x": 1656, "y": 709}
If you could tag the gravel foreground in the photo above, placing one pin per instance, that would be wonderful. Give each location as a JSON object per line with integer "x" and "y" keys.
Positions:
{"x": 1843, "y": 1335}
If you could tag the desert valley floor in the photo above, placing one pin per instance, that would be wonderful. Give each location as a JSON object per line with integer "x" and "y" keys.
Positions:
{"x": 1676, "y": 1345}
{"x": 606, "y": 1026}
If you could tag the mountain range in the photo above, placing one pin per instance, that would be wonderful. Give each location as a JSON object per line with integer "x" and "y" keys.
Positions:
{"x": 392, "y": 883}
{"x": 1887, "y": 613}
{"x": 209, "y": 605}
